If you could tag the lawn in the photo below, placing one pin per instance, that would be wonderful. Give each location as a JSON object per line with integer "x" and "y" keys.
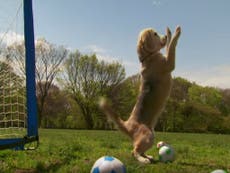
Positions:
{"x": 75, "y": 151}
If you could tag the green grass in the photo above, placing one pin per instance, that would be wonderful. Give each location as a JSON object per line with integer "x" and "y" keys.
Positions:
{"x": 73, "y": 151}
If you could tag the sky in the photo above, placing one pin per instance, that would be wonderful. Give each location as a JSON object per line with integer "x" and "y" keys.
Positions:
{"x": 110, "y": 29}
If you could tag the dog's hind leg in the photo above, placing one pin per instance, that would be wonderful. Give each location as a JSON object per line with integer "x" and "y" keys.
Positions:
{"x": 142, "y": 142}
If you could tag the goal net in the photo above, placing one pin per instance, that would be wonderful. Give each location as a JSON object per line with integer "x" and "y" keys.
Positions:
{"x": 18, "y": 118}
{"x": 12, "y": 105}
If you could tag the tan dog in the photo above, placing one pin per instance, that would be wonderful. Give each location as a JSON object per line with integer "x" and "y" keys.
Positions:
{"x": 155, "y": 88}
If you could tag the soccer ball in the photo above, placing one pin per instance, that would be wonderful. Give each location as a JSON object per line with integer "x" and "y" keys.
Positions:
{"x": 219, "y": 171}
{"x": 166, "y": 154}
{"x": 160, "y": 144}
{"x": 108, "y": 164}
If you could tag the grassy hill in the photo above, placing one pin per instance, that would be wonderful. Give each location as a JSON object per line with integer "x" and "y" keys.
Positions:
{"x": 75, "y": 151}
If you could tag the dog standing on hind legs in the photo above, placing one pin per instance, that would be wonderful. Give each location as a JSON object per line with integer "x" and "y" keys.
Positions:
{"x": 154, "y": 91}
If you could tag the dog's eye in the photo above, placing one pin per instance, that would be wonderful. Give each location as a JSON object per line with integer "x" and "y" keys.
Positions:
{"x": 155, "y": 34}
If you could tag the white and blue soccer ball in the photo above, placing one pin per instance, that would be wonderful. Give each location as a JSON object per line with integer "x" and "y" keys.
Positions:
{"x": 166, "y": 154}
{"x": 108, "y": 164}
{"x": 219, "y": 171}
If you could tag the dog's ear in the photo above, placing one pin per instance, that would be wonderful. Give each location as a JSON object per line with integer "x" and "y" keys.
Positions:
{"x": 140, "y": 49}
{"x": 145, "y": 44}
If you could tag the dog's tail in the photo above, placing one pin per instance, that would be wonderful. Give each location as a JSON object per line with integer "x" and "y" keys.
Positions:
{"x": 106, "y": 108}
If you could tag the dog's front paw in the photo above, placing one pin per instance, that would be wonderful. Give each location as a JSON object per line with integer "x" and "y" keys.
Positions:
{"x": 178, "y": 31}
{"x": 176, "y": 36}
{"x": 169, "y": 35}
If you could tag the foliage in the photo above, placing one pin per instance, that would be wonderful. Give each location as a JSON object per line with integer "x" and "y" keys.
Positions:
{"x": 66, "y": 113}
{"x": 82, "y": 79}
{"x": 54, "y": 99}
{"x": 225, "y": 102}
{"x": 194, "y": 108}
{"x": 190, "y": 107}
{"x": 124, "y": 95}
{"x": 86, "y": 79}
{"x": 76, "y": 151}
{"x": 48, "y": 60}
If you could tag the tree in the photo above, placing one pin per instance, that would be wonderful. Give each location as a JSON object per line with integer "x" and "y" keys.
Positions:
{"x": 48, "y": 60}
{"x": 124, "y": 95}
{"x": 172, "y": 119}
{"x": 87, "y": 78}
{"x": 180, "y": 88}
{"x": 225, "y": 102}
{"x": 55, "y": 107}
{"x": 205, "y": 95}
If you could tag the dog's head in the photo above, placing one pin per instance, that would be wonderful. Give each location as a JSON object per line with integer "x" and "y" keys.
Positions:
{"x": 149, "y": 42}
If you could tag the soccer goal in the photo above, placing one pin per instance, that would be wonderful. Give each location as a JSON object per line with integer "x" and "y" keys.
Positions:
{"x": 18, "y": 107}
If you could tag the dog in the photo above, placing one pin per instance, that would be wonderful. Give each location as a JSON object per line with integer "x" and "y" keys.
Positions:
{"x": 154, "y": 90}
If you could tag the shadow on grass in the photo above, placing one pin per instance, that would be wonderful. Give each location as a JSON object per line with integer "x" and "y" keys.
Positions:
{"x": 25, "y": 171}
{"x": 52, "y": 167}
{"x": 43, "y": 168}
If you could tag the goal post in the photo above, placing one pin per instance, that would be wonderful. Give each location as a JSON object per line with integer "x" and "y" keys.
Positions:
{"x": 32, "y": 129}
{"x": 31, "y": 124}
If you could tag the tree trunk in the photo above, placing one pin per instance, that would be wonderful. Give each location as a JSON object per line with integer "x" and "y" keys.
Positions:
{"x": 88, "y": 120}
{"x": 40, "y": 111}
